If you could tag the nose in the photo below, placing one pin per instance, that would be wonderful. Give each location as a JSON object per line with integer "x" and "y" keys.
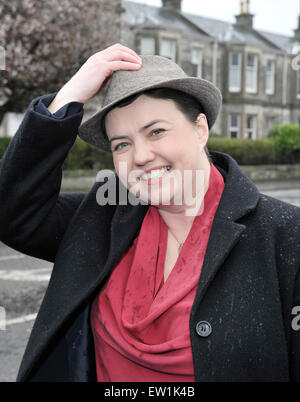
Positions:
{"x": 143, "y": 153}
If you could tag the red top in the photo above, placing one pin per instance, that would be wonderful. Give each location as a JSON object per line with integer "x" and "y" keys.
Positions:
{"x": 141, "y": 323}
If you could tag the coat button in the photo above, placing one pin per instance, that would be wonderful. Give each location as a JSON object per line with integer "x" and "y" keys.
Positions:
{"x": 203, "y": 329}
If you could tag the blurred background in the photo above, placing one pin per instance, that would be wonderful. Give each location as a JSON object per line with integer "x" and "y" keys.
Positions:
{"x": 248, "y": 49}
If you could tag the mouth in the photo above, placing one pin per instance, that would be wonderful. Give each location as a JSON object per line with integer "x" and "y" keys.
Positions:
{"x": 154, "y": 175}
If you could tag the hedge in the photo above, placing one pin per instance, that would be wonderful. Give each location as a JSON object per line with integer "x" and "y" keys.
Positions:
{"x": 286, "y": 140}
{"x": 4, "y": 141}
{"x": 245, "y": 152}
{"x": 282, "y": 145}
{"x": 85, "y": 156}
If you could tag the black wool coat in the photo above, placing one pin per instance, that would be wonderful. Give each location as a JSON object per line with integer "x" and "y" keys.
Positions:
{"x": 248, "y": 286}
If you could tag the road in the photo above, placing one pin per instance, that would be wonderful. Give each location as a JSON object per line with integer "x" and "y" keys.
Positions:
{"x": 23, "y": 281}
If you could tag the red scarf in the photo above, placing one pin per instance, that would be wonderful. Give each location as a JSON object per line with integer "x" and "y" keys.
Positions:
{"x": 141, "y": 323}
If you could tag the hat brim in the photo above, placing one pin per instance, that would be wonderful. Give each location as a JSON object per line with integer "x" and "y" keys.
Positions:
{"x": 208, "y": 96}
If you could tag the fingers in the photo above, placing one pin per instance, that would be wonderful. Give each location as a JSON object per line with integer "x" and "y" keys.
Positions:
{"x": 99, "y": 67}
{"x": 124, "y": 65}
{"x": 119, "y": 57}
{"x": 119, "y": 52}
{"x": 125, "y": 49}
{"x": 123, "y": 56}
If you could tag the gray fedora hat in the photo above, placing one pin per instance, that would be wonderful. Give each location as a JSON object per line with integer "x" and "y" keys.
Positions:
{"x": 156, "y": 72}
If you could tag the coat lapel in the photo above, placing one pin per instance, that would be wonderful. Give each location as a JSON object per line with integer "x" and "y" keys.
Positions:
{"x": 125, "y": 226}
{"x": 239, "y": 198}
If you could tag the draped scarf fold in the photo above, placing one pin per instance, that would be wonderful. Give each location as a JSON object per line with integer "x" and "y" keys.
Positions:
{"x": 141, "y": 322}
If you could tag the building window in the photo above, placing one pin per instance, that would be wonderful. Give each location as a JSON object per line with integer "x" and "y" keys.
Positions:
{"x": 196, "y": 62}
{"x": 235, "y": 70}
{"x": 270, "y": 77}
{"x": 147, "y": 45}
{"x": 234, "y": 125}
{"x": 168, "y": 48}
{"x": 270, "y": 121}
{"x": 251, "y": 73}
{"x": 251, "y": 127}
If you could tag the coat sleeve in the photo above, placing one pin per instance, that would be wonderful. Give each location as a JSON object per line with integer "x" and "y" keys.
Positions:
{"x": 34, "y": 215}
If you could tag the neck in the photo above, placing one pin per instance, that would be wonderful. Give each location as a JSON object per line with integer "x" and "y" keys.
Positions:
{"x": 176, "y": 217}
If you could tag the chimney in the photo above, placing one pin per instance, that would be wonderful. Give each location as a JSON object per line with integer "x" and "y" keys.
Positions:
{"x": 172, "y": 4}
{"x": 244, "y": 20}
{"x": 297, "y": 31}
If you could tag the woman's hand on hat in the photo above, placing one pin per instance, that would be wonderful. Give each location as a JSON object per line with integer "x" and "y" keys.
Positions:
{"x": 89, "y": 79}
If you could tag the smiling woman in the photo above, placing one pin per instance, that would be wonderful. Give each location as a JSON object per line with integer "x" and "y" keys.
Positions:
{"x": 155, "y": 146}
{"x": 149, "y": 291}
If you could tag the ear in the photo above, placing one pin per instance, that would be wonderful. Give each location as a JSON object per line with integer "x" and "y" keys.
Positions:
{"x": 202, "y": 128}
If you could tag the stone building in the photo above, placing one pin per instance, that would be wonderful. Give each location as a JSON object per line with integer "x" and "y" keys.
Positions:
{"x": 256, "y": 71}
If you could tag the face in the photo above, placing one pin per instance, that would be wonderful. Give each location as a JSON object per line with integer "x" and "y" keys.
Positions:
{"x": 153, "y": 144}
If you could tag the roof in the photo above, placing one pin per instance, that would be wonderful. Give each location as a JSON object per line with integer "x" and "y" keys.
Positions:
{"x": 285, "y": 43}
{"x": 147, "y": 16}
{"x": 222, "y": 31}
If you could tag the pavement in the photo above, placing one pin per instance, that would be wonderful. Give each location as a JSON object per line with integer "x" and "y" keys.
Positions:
{"x": 288, "y": 190}
{"x": 23, "y": 281}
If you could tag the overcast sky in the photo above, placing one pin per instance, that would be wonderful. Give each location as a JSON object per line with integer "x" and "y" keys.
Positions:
{"x": 279, "y": 16}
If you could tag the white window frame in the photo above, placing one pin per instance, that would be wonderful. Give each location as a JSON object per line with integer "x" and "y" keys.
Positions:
{"x": 270, "y": 77}
{"x": 251, "y": 130}
{"x": 147, "y": 45}
{"x": 235, "y": 73}
{"x": 196, "y": 60}
{"x": 171, "y": 53}
{"x": 234, "y": 128}
{"x": 251, "y": 74}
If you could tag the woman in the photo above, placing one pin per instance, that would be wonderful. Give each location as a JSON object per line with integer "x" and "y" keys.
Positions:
{"x": 195, "y": 285}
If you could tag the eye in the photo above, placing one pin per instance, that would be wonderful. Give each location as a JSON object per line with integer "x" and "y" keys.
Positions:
{"x": 157, "y": 131}
{"x": 120, "y": 146}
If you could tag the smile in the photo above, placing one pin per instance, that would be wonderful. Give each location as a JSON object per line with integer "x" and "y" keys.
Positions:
{"x": 155, "y": 174}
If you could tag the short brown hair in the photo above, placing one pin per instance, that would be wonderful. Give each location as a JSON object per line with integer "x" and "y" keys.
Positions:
{"x": 186, "y": 103}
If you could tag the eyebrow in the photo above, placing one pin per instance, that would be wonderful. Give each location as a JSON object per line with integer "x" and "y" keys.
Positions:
{"x": 140, "y": 130}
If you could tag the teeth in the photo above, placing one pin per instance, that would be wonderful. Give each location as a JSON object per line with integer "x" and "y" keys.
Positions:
{"x": 155, "y": 173}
